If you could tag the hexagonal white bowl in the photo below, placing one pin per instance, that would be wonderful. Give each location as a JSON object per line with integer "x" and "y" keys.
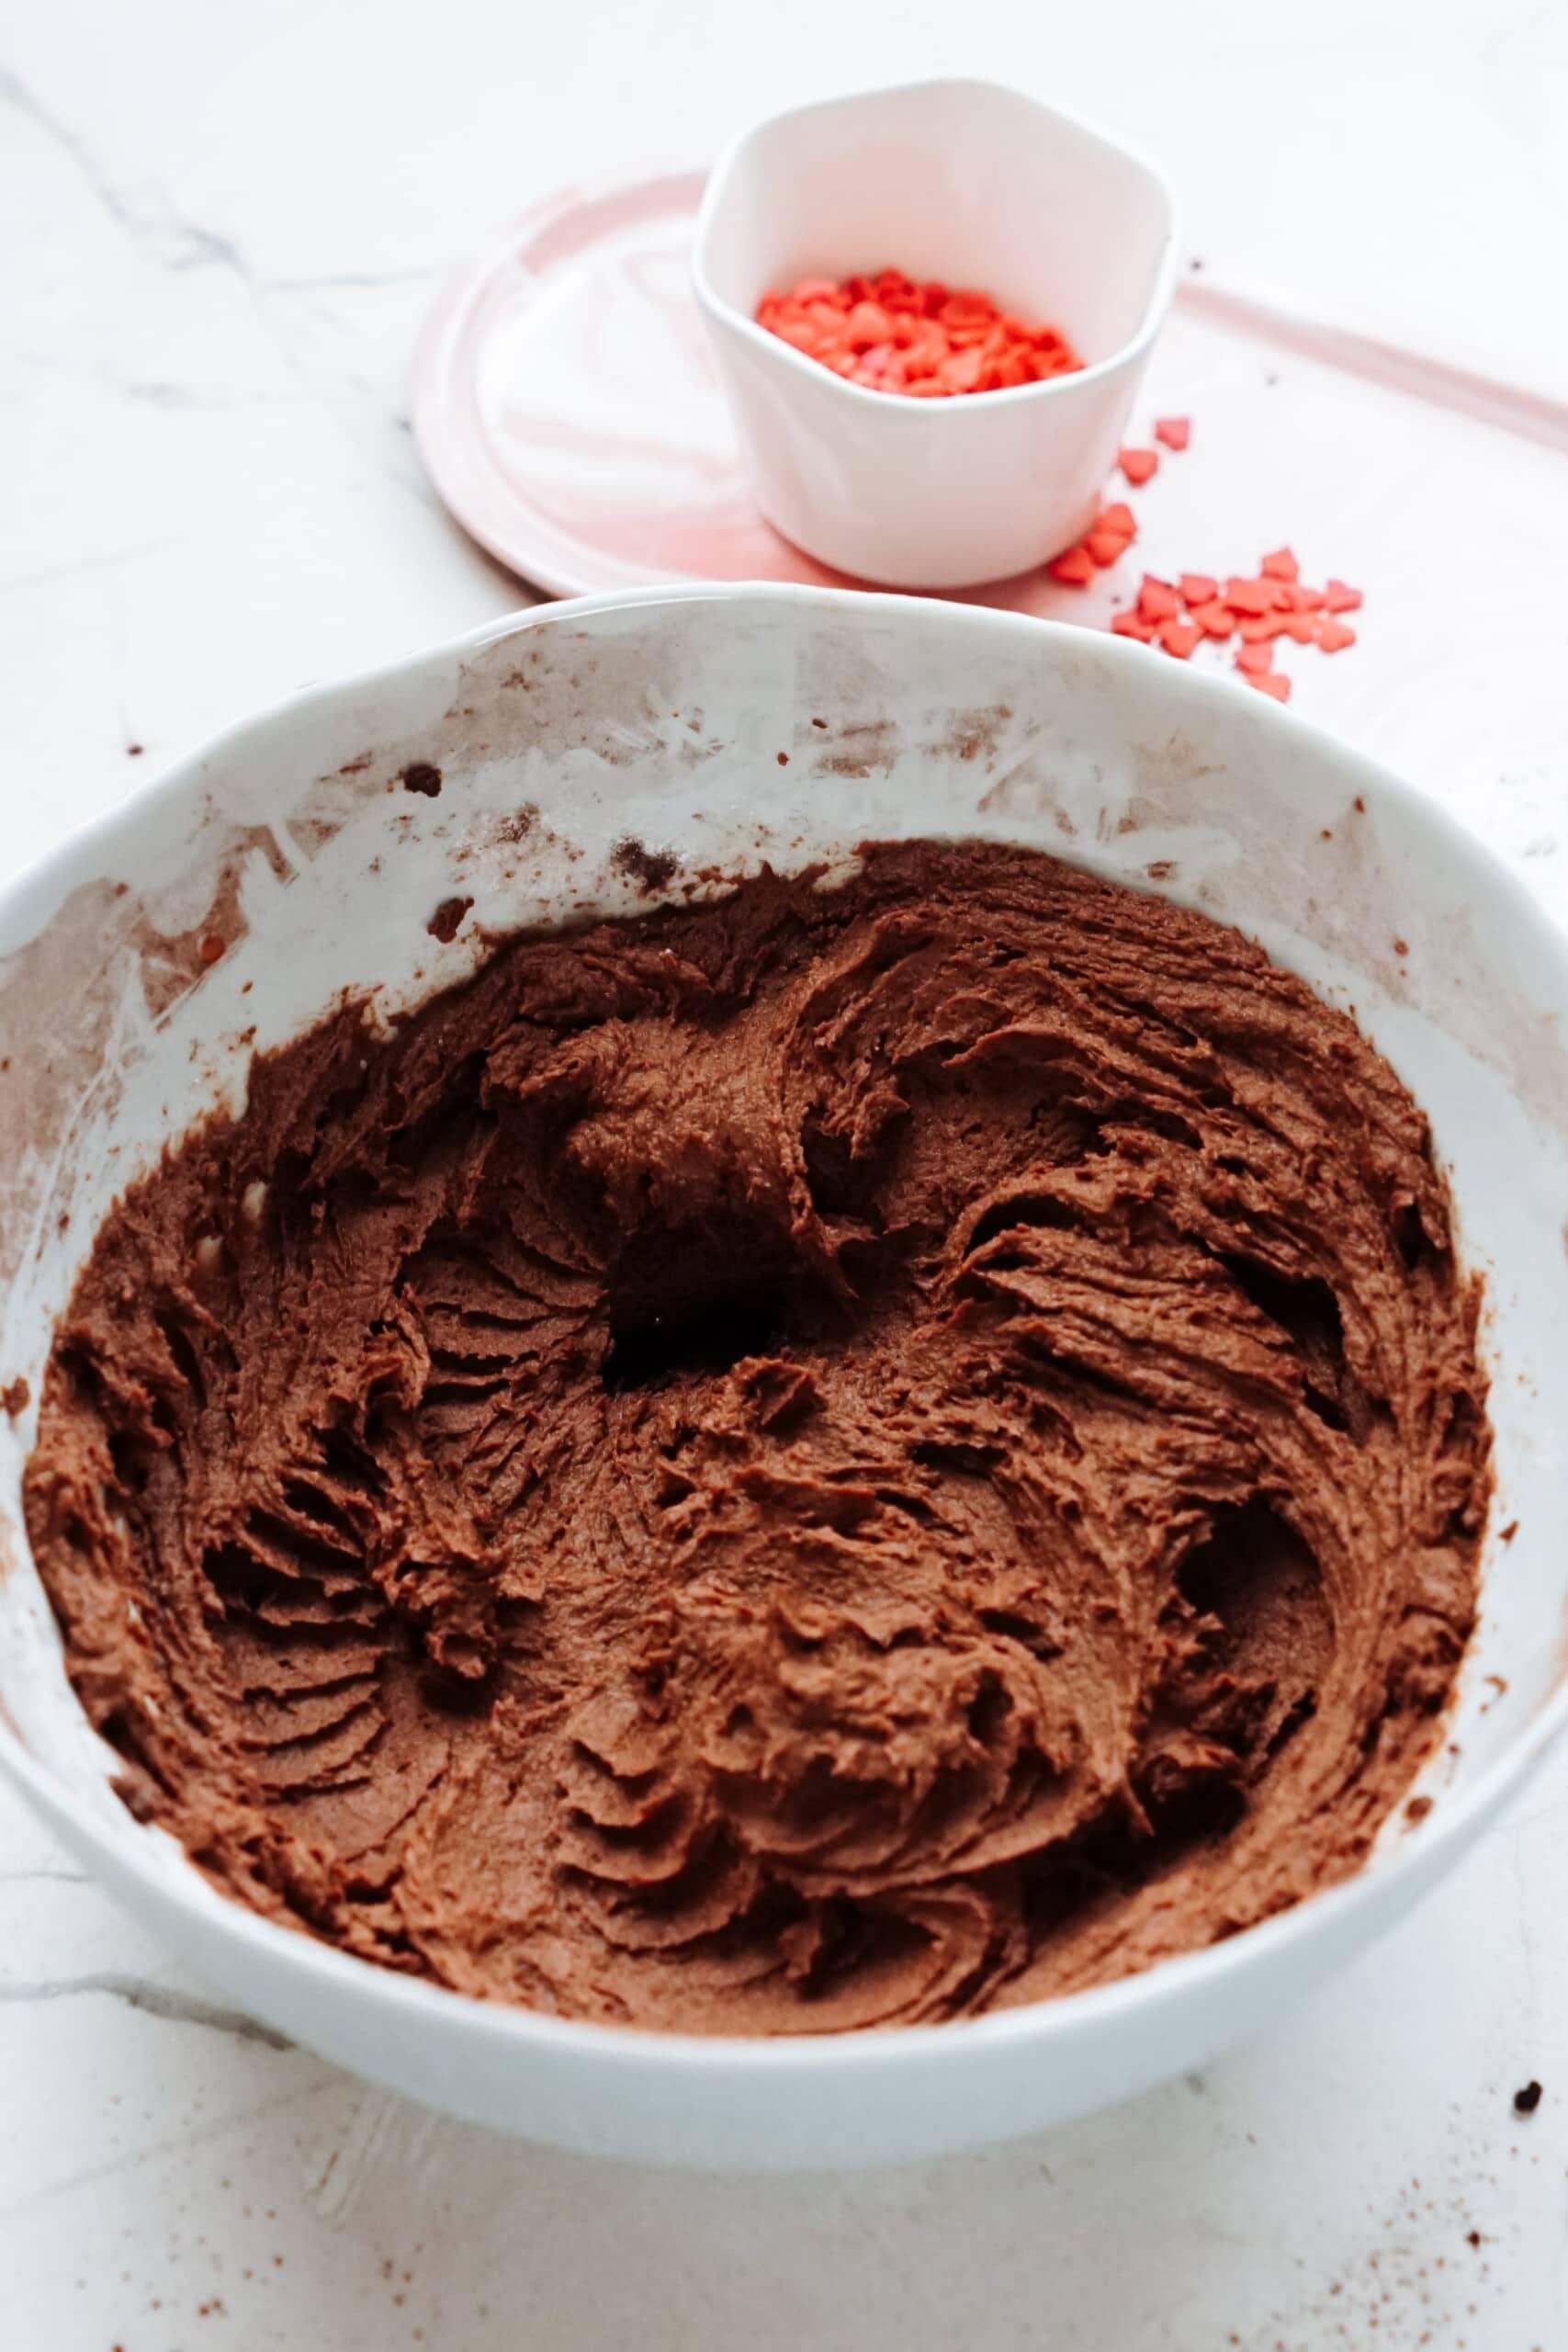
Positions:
{"x": 291, "y": 845}
{"x": 978, "y": 186}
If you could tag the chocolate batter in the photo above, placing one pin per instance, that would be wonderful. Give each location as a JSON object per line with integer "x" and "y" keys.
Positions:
{"x": 843, "y": 1456}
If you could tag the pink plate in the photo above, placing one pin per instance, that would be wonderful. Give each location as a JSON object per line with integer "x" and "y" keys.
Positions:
{"x": 567, "y": 411}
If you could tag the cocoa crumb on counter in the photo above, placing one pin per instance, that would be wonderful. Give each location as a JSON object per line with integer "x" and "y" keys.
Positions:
{"x": 420, "y": 777}
{"x": 1527, "y": 2100}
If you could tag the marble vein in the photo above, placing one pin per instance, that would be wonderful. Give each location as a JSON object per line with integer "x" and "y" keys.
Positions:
{"x": 147, "y": 2152}
{"x": 159, "y": 233}
{"x": 354, "y": 279}
{"x": 57, "y": 571}
{"x": 152, "y": 2000}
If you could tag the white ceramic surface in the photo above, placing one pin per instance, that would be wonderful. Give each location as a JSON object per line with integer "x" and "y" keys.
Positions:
{"x": 290, "y": 841}
{"x": 978, "y": 186}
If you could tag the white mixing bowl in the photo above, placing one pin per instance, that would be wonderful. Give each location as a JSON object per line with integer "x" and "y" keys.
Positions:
{"x": 230, "y": 903}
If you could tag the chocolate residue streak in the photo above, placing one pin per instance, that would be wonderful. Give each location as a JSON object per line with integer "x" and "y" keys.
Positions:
{"x": 333, "y": 801}
{"x": 15, "y": 1397}
{"x": 975, "y": 733}
{"x": 423, "y": 777}
{"x": 171, "y": 962}
{"x": 1417, "y": 1809}
{"x": 1170, "y": 762}
{"x": 829, "y": 1458}
{"x": 516, "y": 829}
{"x": 863, "y": 746}
{"x": 102, "y": 944}
{"x": 610, "y": 696}
{"x": 312, "y": 833}
{"x": 448, "y": 920}
{"x": 652, "y": 870}
{"x": 42, "y": 1087}
{"x": 1025, "y": 791}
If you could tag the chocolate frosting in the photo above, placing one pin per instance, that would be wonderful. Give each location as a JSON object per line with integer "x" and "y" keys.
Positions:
{"x": 841, "y": 1456}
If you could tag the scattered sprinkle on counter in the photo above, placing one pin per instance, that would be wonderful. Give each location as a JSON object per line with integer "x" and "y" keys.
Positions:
{"x": 1257, "y": 608}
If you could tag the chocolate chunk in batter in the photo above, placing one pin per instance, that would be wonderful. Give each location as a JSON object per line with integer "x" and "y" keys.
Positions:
{"x": 836, "y": 1457}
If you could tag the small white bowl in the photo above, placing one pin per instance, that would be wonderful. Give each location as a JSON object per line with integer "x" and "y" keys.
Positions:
{"x": 558, "y": 733}
{"x": 974, "y": 185}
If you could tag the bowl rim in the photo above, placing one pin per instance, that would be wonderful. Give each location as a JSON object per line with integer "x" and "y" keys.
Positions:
{"x": 1127, "y": 352}
{"x": 141, "y": 1854}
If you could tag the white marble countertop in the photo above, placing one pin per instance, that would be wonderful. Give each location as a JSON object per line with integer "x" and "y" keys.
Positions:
{"x": 220, "y": 230}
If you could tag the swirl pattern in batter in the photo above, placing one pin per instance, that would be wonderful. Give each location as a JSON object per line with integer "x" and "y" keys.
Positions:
{"x": 834, "y": 1457}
